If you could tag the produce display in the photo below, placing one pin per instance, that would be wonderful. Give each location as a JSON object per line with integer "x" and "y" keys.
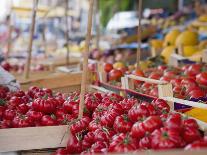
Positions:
{"x": 36, "y": 107}
{"x": 119, "y": 108}
{"x": 188, "y": 82}
{"x": 19, "y": 68}
{"x": 116, "y": 124}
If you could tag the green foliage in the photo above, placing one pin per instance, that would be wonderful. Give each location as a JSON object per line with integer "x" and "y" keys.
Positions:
{"x": 109, "y": 7}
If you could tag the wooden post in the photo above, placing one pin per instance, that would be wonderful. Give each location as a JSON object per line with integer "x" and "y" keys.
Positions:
{"x": 204, "y": 56}
{"x": 44, "y": 40}
{"x": 180, "y": 50}
{"x": 153, "y": 52}
{"x": 139, "y": 35}
{"x": 165, "y": 90}
{"x": 28, "y": 63}
{"x": 97, "y": 23}
{"x": 85, "y": 59}
{"x": 67, "y": 33}
{"x": 9, "y": 45}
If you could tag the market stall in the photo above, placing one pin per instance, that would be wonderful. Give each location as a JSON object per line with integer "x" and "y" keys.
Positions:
{"x": 155, "y": 104}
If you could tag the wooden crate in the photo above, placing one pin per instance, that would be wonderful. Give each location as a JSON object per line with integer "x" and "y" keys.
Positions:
{"x": 165, "y": 92}
{"x": 64, "y": 82}
{"x": 30, "y": 138}
{"x": 15, "y": 139}
{"x": 56, "y": 62}
{"x": 150, "y": 152}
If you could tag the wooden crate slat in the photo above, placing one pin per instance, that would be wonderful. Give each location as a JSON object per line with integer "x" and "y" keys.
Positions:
{"x": 33, "y": 138}
{"x": 186, "y": 102}
{"x": 54, "y": 81}
{"x": 153, "y": 81}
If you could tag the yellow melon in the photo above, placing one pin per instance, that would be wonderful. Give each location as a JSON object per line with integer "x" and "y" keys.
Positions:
{"x": 170, "y": 38}
{"x": 167, "y": 51}
{"x": 203, "y": 18}
{"x": 118, "y": 65}
{"x": 157, "y": 44}
{"x": 189, "y": 50}
{"x": 187, "y": 38}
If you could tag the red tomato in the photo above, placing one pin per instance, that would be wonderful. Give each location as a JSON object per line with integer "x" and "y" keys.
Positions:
{"x": 47, "y": 120}
{"x": 197, "y": 145}
{"x": 145, "y": 143}
{"x": 2, "y": 109}
{"x": 9, "y": 114}
{"x": 115, "y": 75}
{"x": 102, "y": 135}
{"x": 60, "y": 112}
{"x": 155, "y": 75}
{"x": 185, "y": 67}
{"x": 191, "y": 123}
{"x": 188, "y": 82}
{"x": 193, "y": 69}
{"x": 80, "y": 125}
{"x": 201, "y": 78}
{"x": 150, "y": 108}
{"x": 45, "y": 105}
{"x": 128, "y": 103}
{"x": 21, "y": 122}
{"x": 108, "y": 67}
{"x": 166, "y": 139}
{"x": 146, "y": 86}
{"x": 14, "y": 102}
{"x": 162, "y": 67}
{"x": 91, "y": 102}
{"x": 94, "y": 124}
{"x": 154, "y": 92}
{"x": 5, "y": 124}
{"x": 138, "y": 112}
{"x": 61, "y": 151}
{"x": 166, "y": 78}
{"x": 149, "y": 125}
{"x": 123, "y": 143}
{"x": 197, "y": 93}
{"x": 161, "y": 106}
{"x": 34, "y": 115}
{"x": 176, "y": 82}
{"x": 74, "y": 145}
{"x": 70, "y": 106}
{"x": 99, "y": 147}
{"x": 138, "y": 130}
{"x": 152, "y": 123}
{"x": 122, "y": 124}
{"x": 174, "y": 121}
{"x": 191, "y": 134}
{"x": 108, "y": 119}
{"x": 178, "y": 90}
{"x": 170, "y": 74}
{"x": 88, "y": 140}
{"x": 22, "y": 108}
{"x": 138, "y": 72}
